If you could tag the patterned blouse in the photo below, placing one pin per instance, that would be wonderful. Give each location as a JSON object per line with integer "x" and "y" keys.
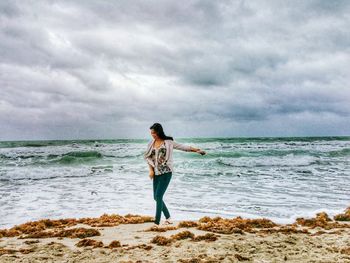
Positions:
{"x": 158, "y": 157}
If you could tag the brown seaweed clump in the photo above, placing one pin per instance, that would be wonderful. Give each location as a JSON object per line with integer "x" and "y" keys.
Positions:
{"x": 318, "y": 233}
{"x": 4, "y": 251}
{"x": 86, "y": 242}
{"x": 105, "y": 220}
{"x": 164, "y": 241}
{"x": 161, "y": 241}
{"x": 188, "y": 224}
{"x": 182, "y": 235}
{"x": 234, "y": 225}
{"x": 187, "y": 234}
{"x": 345, "y": 250}
{"x": 36, "y": 226}
{"x": 199, "y": 259}
{"x": 137, "y": 261}
{"x": 321, "y": 220}
{"x": 79, "y": 232}
{"x": 114, "y": 243}
{"x": 142, "y": 246}
{"x": 29, "y": 242}
{"x": 161, "y": 229}
{"x": 343, "y": 217}
{"x": 207, "y": 237}
{"x": 241, "y": 258}
{"x": 284, "y": 230}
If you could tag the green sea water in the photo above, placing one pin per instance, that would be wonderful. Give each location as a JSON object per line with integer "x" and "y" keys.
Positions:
{"x": 279, "y": 178}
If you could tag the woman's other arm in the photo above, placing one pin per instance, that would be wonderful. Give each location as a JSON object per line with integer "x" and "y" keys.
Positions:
{"x": 149, "y": 161}
{"x": 151, "y": 171}
{"x": 150, "y": 166}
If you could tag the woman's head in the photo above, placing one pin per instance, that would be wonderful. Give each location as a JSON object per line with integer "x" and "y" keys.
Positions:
{"x": 157, "y": 132}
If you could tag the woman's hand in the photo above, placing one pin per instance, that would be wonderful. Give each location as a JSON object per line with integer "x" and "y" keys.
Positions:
{"x": 201, "y": 152}
{"x": 151, "y": 174}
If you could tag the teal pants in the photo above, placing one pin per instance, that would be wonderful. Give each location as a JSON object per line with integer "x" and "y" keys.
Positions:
{"x": 160, "y": 184}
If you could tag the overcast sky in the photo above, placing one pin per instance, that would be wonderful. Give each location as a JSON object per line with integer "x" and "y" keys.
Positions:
{"x": 110, "y": 69}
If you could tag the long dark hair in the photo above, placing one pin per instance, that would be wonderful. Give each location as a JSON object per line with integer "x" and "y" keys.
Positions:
{"x": 157, "y": 127}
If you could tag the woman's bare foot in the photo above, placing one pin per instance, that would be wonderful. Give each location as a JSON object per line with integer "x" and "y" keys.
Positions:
{"x": 168, "y": 222}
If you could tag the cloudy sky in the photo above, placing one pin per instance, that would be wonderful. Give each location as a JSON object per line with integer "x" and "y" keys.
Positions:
{"x": 110, "y": 69}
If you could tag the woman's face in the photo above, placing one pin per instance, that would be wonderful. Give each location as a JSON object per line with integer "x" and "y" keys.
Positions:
{"x": 154, "y": 134}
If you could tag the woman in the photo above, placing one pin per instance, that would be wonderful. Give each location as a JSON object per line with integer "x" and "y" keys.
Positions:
{"x": 159, "y": 155}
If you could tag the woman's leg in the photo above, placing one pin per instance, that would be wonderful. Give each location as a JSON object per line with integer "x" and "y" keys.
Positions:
{"x": 165, "y": 211}
{"x": 159, "y": 187}
{"x": 156, "y": 183}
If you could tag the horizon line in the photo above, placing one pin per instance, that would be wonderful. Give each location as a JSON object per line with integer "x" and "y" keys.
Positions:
{"x": 215, "y": 137}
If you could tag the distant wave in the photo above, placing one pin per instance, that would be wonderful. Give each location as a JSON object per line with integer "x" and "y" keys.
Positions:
{"x": 41, "y": 178}
{"x": 15, "y": 144}
{"x": 342, "y": 152}
{"x": 45, "y": 143}
{"x": 70, "y": 158}
{"x": 271, "y": 152}
{"x": 75, "y": 157}
{"x": 66, "y": 158}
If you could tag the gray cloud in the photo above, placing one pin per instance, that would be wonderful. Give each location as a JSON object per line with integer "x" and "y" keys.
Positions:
{"x": 109, "y": 69}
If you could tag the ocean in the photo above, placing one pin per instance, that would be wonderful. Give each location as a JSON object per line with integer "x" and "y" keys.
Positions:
{"x": 276, "y": 178}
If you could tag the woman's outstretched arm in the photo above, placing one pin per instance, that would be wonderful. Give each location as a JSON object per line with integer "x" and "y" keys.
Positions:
{"x": 187, "y": 148}
{"x": 182, "y": 147}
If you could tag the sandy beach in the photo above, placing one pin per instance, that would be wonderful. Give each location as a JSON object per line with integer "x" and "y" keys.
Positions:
{"x": 131, "y": 238}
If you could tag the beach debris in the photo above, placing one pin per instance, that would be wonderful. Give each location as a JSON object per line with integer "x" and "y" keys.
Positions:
{"x": 235, "y": 225}
{"x": 182, "y": 235}
{"x": 188, "y": 224}
{"x": 53, "y": 243}
{"x": 114, "y": 243}
{"x": 34, "y": 228}
{"x": 343, "y": 217}
{"x": 241, "y": 258}
{"x": 199, "y": 259}
{"x": 161, "y": 229}
{"x": 142, "y": 246}
{"x": 26, "y": 250}
{"x": 29, "y": 242}
{"x": 320, "y": 232}
{"x": 137, "y": 261}
{"x": 86, "y": 242}
{"x": 79, "y": 232}
{"x": 207, "y": 237}
{"x": 161, "y": 241}
{"x": 4, "y": 251}
{"x": 345, "y": 250}
{"x": 321, "y": 220}
{"x": 164, "y": 241}
{"x": 106, "y": 220}
{"x": 284, "y": 230}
